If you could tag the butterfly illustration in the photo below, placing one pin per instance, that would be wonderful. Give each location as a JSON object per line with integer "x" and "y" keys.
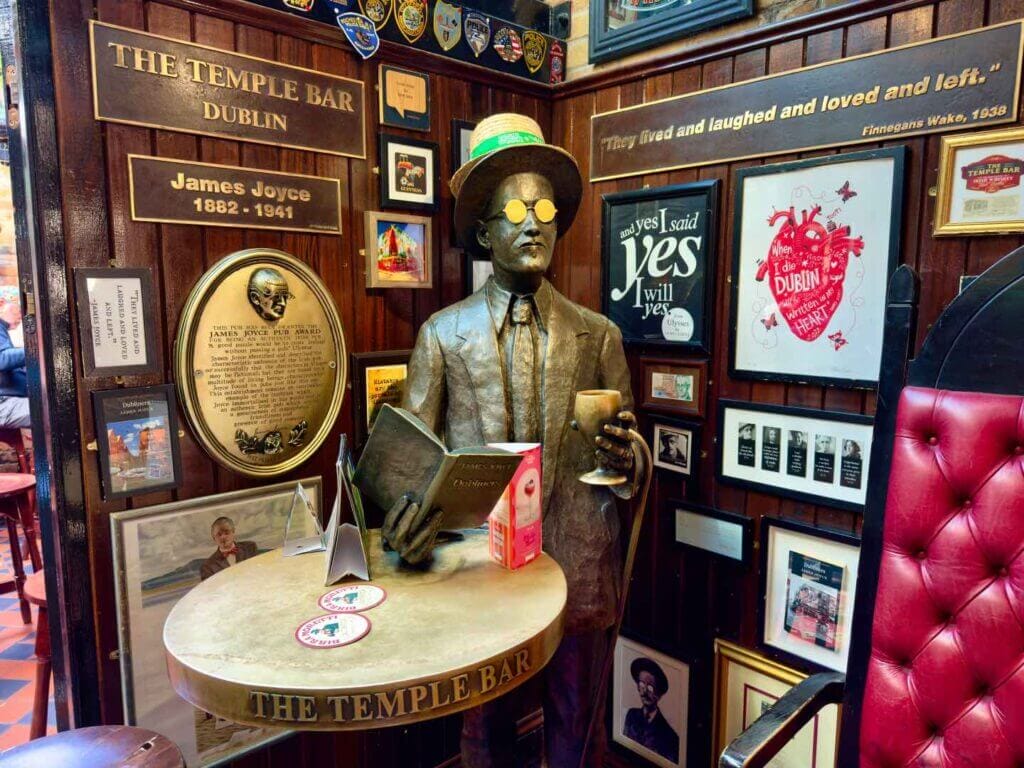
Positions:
{"x": 845, "y": 192}
{"x": 769, "y": 322}
{"x": 837, "y": 339}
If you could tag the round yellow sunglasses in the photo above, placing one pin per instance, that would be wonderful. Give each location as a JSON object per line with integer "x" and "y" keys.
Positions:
{"x": 515, "y": 211}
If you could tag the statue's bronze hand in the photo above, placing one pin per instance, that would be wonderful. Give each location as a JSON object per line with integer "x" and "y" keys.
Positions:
{"x": 615, "y": 447}
{"x": 410, "y": 530}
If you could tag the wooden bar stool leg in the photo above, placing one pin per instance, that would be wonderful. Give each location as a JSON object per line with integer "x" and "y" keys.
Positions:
{"x": 41, "y": 697}
{"x": 28, "y": 525}
{"x": 19, "y": 566}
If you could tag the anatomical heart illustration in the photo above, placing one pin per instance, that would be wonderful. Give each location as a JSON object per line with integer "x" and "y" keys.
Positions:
{"x": 816, "y": 247}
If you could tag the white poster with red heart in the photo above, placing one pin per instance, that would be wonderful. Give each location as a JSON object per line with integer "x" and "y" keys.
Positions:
{"x": 818, "y": 241}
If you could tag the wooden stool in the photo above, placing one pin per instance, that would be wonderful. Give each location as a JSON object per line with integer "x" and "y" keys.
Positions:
{"x": 26, "y": 465}
{"x": 105, "y": 746}
{"x": 14, "y": 506}
{"x": 35, "y": 593}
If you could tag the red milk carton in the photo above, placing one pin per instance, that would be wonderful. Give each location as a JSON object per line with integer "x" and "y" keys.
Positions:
{"x": 515, "y": 522}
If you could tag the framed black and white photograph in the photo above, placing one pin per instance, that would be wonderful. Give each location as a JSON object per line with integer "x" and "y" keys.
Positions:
{"x": 676, "y": 446}
{"x": 658, "y": 258}
{"x": 815, "y": 243}
{"x": 620, "y": 27}
{"x": 408, "y": 174}
{"x": 728, "y": 535}
{"x": 808, "y": 582}
{"x": 820, "y": 457}
{"x": 650, "y": 700}
{"x": 117, "y": 333}
{"x": 378, "y": 378}
{"x": 159, "y": 554}
{"x": 137, "y": 439}
{"x": 476, "y": 271}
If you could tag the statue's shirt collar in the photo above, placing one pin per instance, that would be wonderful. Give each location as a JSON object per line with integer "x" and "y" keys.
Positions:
{"x": 499, "y": 302}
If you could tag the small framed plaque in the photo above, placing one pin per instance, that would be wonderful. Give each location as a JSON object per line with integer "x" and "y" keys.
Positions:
{"x": 404, "y": 98}
{"x": 674, "y": 387}
{"x": 377, "y": 378}
{"x": 117, "y": 334}
{"x": 726, "y": 534}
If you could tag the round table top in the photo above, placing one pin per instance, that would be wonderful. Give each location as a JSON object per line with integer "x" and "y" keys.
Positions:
{"x": 15, "y": 482}
{"x": 446, "y": 638}
{"x": 104, "y": 746}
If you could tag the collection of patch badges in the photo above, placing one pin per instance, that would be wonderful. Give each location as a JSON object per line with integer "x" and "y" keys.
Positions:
{"x": 345, "y": 624}
{"x": 450, "y": 24}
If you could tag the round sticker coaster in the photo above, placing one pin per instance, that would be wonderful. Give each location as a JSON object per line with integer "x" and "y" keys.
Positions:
{"x": 333, "y": 630}
{"x": 354, "y": 597}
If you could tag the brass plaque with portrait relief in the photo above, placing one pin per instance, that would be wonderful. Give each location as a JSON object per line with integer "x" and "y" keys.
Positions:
{"x": 260, "y": 362}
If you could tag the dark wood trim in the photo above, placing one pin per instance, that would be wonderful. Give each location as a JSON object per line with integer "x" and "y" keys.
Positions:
{"x": 738, "y": 42}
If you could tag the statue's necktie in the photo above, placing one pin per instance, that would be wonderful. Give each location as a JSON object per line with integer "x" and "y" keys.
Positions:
{"x": 523, "y": 373}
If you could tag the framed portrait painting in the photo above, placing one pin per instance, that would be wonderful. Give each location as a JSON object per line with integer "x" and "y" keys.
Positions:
{"x": 399, "y": 250}
{"x": 746, "y": 686}
{"x": 159, "y": 554}
{"x": 676, "y": 446}
{"x": 409, "y": 174}
{"x": 979, "y": 190}
{"x": 809, "y": 579}
{"x": 674, "y": 387}
{"x": 658, "y": 257}
{"x": 650, "y": 699}
{"x": 377, "y": 378}
{"x": 118, "y": 337}
{"x": 814, "y": 246}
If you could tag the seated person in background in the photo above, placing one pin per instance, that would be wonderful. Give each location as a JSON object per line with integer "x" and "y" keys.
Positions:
{"x": 228, "y": 552}
{"x": 13, "y": 388}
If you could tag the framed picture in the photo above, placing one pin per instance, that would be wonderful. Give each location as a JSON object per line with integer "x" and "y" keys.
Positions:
{"x": 399, "y": 250}
{"x": 650, "y": 703}
{"x": 809, "y": 579}
{"x": 461, "y": 132}
{"x": 159, "y": 554}
{"x": 815, "y": 243}
{"x": 726, "y": 534}
{"x": 619, "y": 27}
{"x": 658, "y": 256}
{"x": 137, "y": 439}
{"x": 674, "y": 387}
{"x": 676, "y": 446}
{"x": 117, "y": 334}
{"x": 820, "y": 457}
{"x": 377, "y": 378}
{"x": 404, "y": 98}
{"x": 408, "y": 174}
{"x": 746, "y": 686}
{"x": 979, "y": 190}
{"x": 476, "y": 271}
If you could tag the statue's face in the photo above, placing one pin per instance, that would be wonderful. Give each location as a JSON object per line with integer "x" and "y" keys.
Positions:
{"x": 268, "y": 293}
{"x": 526, "y": 247}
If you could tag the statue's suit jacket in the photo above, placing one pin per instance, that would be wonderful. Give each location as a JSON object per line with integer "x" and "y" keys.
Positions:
{"x": 456, "y": 385}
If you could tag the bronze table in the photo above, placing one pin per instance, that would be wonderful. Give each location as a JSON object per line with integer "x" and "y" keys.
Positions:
{"x": 445, "y": 639}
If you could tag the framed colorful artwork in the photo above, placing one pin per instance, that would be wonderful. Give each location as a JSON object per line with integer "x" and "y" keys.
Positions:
{"x": 647, "y": 680}
{"x": 399, "y": 250}
{"x": 137, "y": 439}
{"x": 159, "y": 554}
{"x": 377, "y": 378}
{"x": 676, "y": 446}
{"x": 673, "y": 386}
{"x": 404, "y": 98}
{"x": 476, "y": 271}
{"x": 118, "y": 338}
{"x": 820, "y": 457}
{"x": 815, "y": 243}
{"x": 979, "y": 190}
{"x": 619, "y": 27}
{"x": 658, "y": 258}
{"x": 808, "y": 583}
{"x": 728, "y": 535}
{"x": 746, "y": 686}
{"x": 408, "y": 174}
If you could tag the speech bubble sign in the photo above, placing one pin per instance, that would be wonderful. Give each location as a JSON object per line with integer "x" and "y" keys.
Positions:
{"x": 405, "y": 92}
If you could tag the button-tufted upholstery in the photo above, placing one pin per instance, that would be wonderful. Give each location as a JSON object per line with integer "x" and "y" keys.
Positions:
{"x": 945, "y": 684}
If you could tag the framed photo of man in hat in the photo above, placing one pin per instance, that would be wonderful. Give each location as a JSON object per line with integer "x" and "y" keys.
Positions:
{"x": 651, "y": 702}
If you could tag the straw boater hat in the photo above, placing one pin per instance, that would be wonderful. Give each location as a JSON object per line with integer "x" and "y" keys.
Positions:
{"x": 502, "y": 145}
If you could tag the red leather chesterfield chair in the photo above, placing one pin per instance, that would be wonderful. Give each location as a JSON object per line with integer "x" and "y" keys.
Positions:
{"x": 936, "y": 670}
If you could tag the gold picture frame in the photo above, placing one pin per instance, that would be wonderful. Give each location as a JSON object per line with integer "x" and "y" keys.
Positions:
{"x": 742, "y": 678}
{"x": 406, "y": 234}
{"x": 978, "y": 175}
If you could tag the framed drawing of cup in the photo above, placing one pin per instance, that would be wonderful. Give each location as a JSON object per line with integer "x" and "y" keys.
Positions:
{"x": 399, "y": 250}
{"x": 675, "y": 387}
{"x": 409, "y": 174}
{"x": 815, "y": 243}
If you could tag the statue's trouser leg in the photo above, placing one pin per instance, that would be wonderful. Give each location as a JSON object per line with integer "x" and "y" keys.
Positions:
{"x": 571, "y": 677}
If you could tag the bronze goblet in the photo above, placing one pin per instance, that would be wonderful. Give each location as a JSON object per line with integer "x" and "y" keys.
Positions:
{"x": 595, "y": 408}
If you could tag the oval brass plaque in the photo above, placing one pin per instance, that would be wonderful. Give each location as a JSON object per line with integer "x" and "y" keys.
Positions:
{"x": 260, "y": 362}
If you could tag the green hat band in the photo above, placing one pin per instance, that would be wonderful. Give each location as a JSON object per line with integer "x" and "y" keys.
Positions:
{"x": 502, "y": 140}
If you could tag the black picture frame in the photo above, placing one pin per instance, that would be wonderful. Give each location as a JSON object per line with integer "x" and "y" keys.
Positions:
{"x": 388, "y": 200}
{"x": 361, "y": 362}
{"x": 128, "y": 404}
{"x": 692, "y": 294}
{"x": 85, "y": 321}
{"x": 455, "y": 151}
{"x": 695, "y": 429}
{"x": 391, "y": 117}
{"x": 821, "y": 532}
{"x": 687, "y": 19}
{"x": 898, "y": 155}
{"x": 468, "y": 262}
{"x": 746, "y": 525}
{"x": 857, "y": 420}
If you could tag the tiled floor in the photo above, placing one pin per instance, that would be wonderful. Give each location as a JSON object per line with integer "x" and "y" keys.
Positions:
{"x": 17, "y": 663}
